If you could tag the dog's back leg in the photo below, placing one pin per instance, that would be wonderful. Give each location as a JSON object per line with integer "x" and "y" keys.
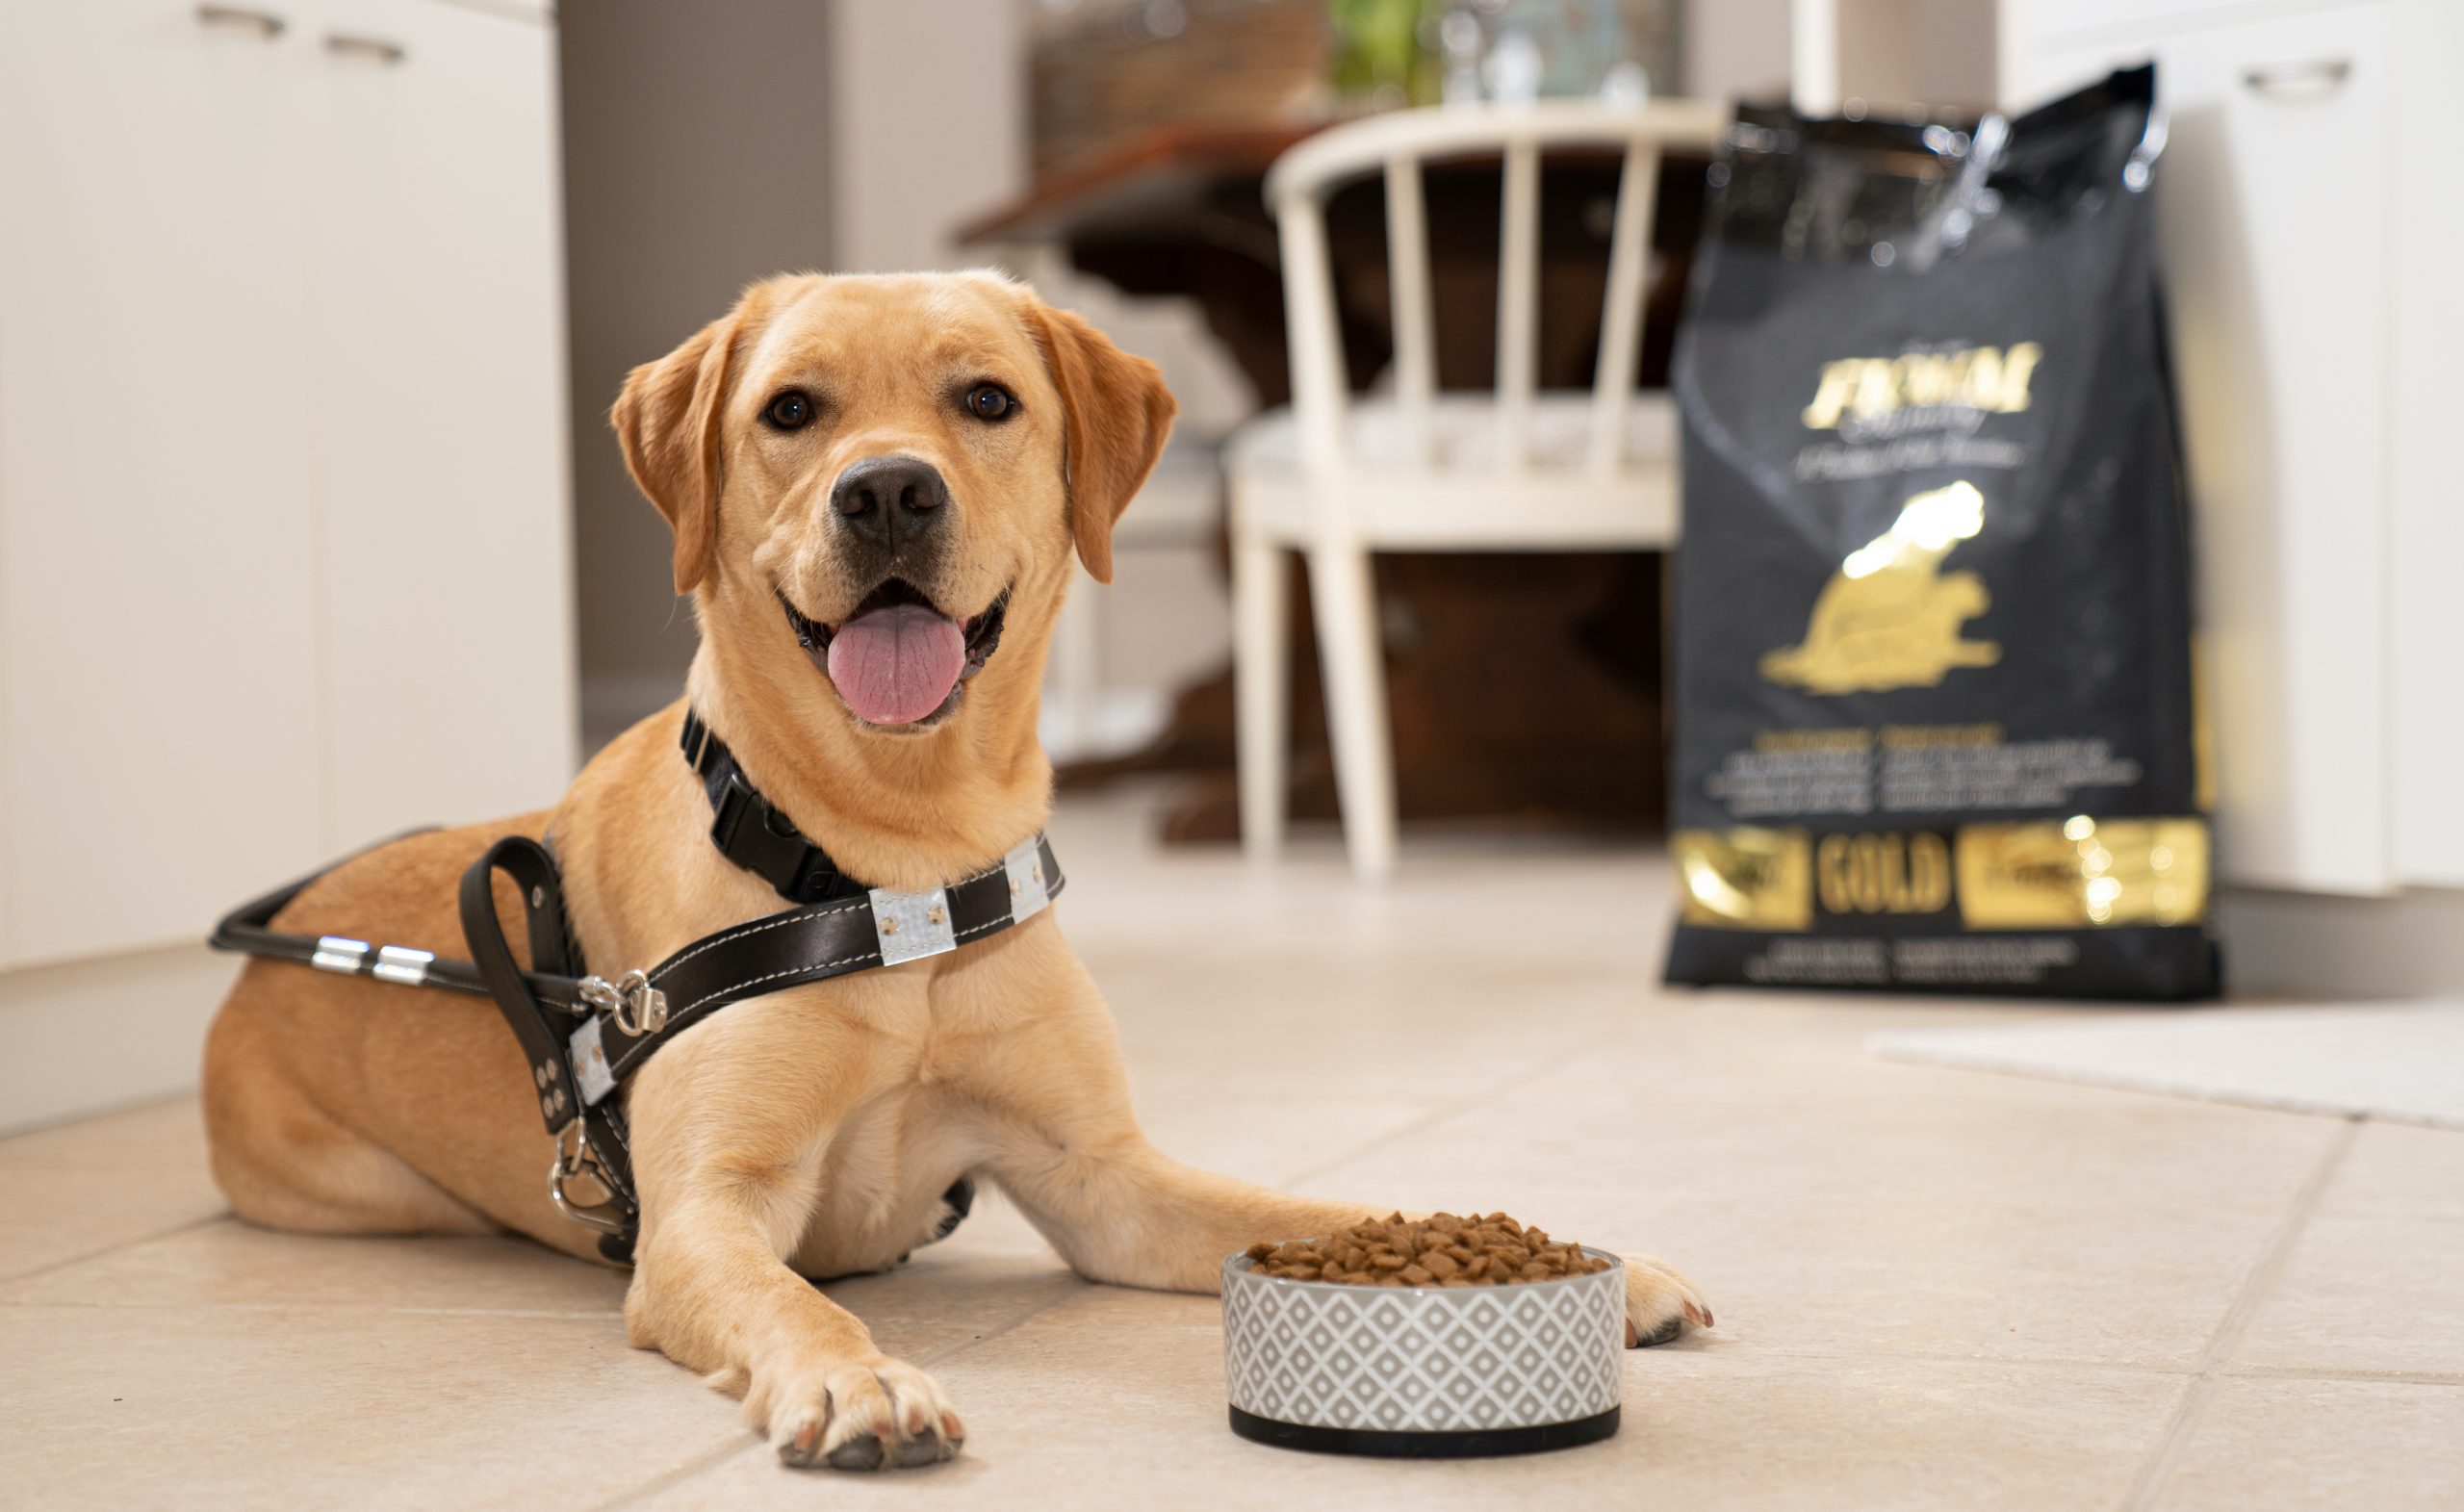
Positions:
{"x": 286, "y": 1162}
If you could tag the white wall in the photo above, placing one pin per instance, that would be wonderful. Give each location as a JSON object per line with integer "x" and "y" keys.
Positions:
{"x": 1935, "y": 52}
{"x": 696, "y": 162}
{"x": 928, "y": 117}
{"x": 1737, "y": 50}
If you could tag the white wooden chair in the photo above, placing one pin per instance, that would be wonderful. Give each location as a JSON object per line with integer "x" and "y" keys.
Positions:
{"x": 1337, "y": 478}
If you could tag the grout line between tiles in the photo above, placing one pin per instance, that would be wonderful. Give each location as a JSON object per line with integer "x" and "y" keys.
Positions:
{"x": 112, "y": 1248}
{"x": 737, "y": 1448}
{"x": 2322, "y": 1373}
{"x": 2025, "y": 1362}
{"x": 1453, "y": 1109}
{"x": 1015, "y": 1321}
{"x": 354, "y": 1309}
{"x": 2156, "y": 1475}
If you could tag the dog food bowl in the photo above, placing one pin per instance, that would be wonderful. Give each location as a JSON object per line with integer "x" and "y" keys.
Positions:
{"x": 1424, "y": 1372}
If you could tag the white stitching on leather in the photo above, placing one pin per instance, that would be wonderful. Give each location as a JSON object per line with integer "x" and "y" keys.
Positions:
{"x": 754, "y": 982}
{"x": 748, "y": 931}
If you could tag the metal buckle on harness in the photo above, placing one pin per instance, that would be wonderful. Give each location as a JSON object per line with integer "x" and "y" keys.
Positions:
{"x": 638, "y": 1007}
{"x": 578, "y": 1161}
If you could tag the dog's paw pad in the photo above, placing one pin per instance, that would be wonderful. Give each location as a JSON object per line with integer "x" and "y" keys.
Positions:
{"x": 864, "y": 1453}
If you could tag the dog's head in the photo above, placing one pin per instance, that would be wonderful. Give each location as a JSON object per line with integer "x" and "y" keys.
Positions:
{"x": 877, "y": 485}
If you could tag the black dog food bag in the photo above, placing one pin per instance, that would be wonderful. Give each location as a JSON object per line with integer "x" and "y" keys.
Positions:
{"x": 1933, "y": 714}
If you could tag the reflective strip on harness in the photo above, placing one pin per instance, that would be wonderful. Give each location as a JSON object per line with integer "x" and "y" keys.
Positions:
{"x": 591, "y": 1075}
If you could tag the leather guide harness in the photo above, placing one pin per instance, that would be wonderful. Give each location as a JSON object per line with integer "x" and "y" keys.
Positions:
{"x": 584, "y": 1034}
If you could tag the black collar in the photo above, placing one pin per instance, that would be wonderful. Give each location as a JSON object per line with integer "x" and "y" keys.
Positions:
{"x": 754, "y": 832}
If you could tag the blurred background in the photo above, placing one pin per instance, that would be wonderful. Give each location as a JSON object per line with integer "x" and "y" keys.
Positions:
{"x": 312, "y": 530}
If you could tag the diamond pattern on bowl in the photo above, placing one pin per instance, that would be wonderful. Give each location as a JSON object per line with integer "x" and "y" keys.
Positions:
{"x": 1423, "y": 1359}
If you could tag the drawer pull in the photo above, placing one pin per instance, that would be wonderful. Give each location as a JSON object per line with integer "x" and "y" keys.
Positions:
{"x": 375, "y": 49}
{"x": 2316, "y": 75}
{"x": 265, "y": 23}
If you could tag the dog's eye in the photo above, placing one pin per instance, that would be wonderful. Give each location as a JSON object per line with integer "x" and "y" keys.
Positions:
{"x": 790, "y": 411}
{"x": 989, "y": 402}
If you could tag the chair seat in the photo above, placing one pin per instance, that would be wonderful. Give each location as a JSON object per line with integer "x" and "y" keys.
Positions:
{"x": 1459, "y": 500}
{"x": 1463, "y": 432}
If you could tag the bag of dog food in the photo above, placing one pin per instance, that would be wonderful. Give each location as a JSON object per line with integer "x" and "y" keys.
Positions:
{"x": 1933, "y": 717}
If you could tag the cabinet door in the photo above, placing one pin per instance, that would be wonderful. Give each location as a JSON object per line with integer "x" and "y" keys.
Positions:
{"x": 2274, "y": 198}
{"x": 2428, "y": 380}
{"x": 158, "y": 656}
{"x": 441, "y": 432}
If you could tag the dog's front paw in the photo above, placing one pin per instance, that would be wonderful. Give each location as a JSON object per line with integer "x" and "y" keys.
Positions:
{"x": 1660, "y": 1302}
{"x": 883, "y": 1415}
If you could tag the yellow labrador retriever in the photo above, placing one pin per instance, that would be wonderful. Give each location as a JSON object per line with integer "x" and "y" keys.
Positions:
{"x": 887, "y": 460}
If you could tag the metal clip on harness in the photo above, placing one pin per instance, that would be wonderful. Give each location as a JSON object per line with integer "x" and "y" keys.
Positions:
{"x": 630, "y": 1003}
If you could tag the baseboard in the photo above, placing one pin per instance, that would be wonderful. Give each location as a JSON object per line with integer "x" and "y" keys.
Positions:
{"x": 2308, "y": 945}
{"x": 86, "y": 1036}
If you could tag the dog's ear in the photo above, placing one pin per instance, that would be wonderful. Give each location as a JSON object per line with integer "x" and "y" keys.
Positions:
{"x": 1118, "y": 414}
{"x": 667, "y": 421}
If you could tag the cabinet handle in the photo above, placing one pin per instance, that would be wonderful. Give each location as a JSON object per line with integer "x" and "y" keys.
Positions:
{"x": 345, "y": 44}
{"x": 265, "y": 23}
{"x": 2317, "y": 75}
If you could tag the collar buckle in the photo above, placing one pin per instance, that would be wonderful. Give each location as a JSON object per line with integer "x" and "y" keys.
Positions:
{"x": 749, "y": 830}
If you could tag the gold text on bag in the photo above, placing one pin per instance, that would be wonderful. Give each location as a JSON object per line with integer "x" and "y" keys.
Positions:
{"x": 2055, "y": 874}
{"x": 1988, "y": 378}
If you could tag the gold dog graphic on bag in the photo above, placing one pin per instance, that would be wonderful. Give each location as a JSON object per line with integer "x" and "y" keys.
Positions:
{"x": 1890, "y": 617}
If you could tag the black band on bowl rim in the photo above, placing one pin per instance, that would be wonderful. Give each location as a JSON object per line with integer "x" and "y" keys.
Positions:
{"x": 1426, "y": 1443}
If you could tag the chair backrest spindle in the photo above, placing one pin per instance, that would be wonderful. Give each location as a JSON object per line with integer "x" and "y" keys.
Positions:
{"x": 1621, "y": 311}
{"x": 1399, "y": 145}
{"x": 1318, "y": 389}
{"x": 1415, "y": 322}
{"x": 1517, "y": 301}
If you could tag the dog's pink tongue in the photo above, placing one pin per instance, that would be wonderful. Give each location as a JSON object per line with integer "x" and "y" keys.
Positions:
{"x": 895, "y": 665}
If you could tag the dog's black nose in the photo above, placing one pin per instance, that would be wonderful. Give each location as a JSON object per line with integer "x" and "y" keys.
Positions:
{"x": 889, "y": 499}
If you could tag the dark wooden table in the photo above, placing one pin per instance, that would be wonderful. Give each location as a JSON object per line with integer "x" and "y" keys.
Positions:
{"x": 1523, "y": 687}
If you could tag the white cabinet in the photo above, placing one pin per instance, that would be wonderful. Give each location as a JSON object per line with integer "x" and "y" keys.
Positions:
{"x": 439, "y": 316}
{"x": 283, "y": 555}
{"x": 2426, "y": 311}
{"x": 158, "y": 696}
{"x": 2313, "y": 405}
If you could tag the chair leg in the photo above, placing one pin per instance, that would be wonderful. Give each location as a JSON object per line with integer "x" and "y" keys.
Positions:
{"x": 1350, "y": 651}
{"x": 1262, "y": 694}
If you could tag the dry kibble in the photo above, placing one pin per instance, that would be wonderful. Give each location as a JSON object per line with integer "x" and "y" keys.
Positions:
{"x": 1440, "y": 1250}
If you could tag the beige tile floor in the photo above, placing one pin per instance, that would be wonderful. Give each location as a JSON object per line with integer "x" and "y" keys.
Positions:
{"x": 1935, "y": 1288}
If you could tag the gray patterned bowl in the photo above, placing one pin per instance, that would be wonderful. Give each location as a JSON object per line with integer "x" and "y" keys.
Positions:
{"x": 1423, "y": 1372}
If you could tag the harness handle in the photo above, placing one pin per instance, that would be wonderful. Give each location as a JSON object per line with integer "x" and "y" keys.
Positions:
{"x": 590, "y": 1139}
{"x": 532, "y": 870}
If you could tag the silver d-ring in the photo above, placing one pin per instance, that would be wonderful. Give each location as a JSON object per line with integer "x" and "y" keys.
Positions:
{"x": 643, "y": 1007}
{"x": 607, "y": 1218}
{"x": 636, "y": 1007}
